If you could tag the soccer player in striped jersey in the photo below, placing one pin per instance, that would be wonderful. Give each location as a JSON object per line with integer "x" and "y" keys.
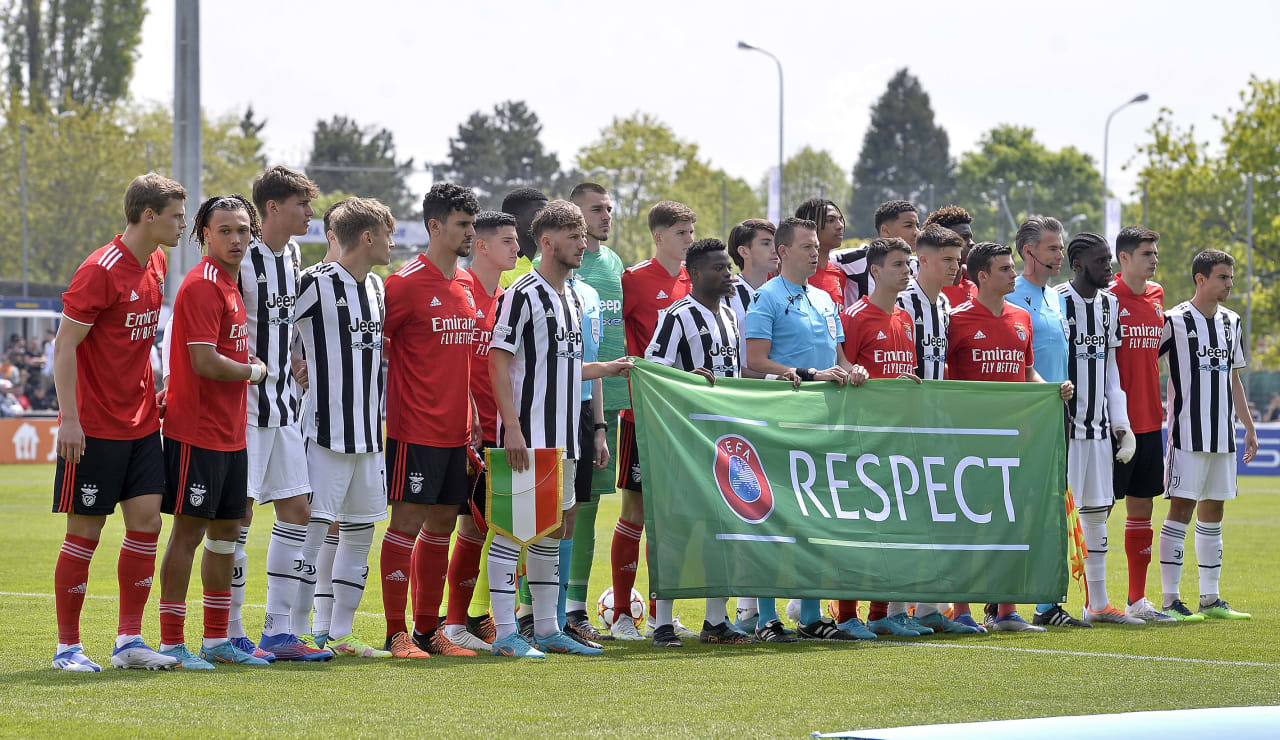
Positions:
{"x": 1141, "y": 479}
{"x": 277, "y": 463}
{"x": 957, "y": 219}
{"x": 647, "y": 288}
{"x": 938, "y": 252}
{"x": 204, "y": 432}
{"x": 1096, "y": 411}
{"x": 108, "y": 440}
{"x": 991, "y": 339}
{"x": 830, "y": 220}
{"x": 431, "y": 316}
{"x": 535, "y": 364}
{"x": 894, "y": 218}
{"x": 339, "y": 316}
{"x": 699, "y": 334}
{"x": 1204, "y": 346}
{"x": 751, "y": 249}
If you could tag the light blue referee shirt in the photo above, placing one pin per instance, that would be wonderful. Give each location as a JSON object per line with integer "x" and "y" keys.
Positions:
{"x": 592, "y": 325}
{"x": 1048, "y": 327}
{"x": 801, "y": 322}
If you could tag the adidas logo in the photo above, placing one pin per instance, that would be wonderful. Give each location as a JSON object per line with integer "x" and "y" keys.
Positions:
{"x": 133, "y": 295}
{"x": 479, "y": 314}
{"x": 1124, "y": 312}
{"x": 1191, "y": 334}
{"x": 979, "y": 335}
{"x": 144, "y": 583}
{"x": 630, "y": 566}
{"x": 551, "y": 314}
{"x": 880, "y": 335}
{"x": 703, "y": 330}
{"x": 661, "y": 295}
{"x": 262, "y": 278}
{"x": 435, "y": 301}
{"x": 342, "y": 301}
{"x": 470, "y": 583}
{"x": 397, "y": 576}
{"x": 1071, "y": 321}
{"x": 81, "y": 589}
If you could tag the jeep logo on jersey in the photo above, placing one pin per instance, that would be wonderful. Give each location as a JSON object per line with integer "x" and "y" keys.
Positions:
{"x": 362, "y": 326}
{"x": 281, "y": 300}
{"x": 196, "y": 495}
{"x": 741, "y": 479}
{"x": 88, "y": 494}
{"x": 570, "y": 336}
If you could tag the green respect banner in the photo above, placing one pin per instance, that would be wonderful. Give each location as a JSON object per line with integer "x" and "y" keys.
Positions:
{"x": 893, "y": 491}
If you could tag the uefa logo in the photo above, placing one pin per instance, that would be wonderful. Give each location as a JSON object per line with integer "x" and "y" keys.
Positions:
{"x": 741, "y": 479}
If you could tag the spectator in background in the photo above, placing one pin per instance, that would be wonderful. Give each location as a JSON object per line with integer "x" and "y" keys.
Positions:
{"x": 12, "y": 364}
{"x": 47, "y": 370}
{"x": 1253, "y": 412}
{"x": 1273, "y": 408}
{"x": 42, "y": 401}
{"x": 9, "y": 404}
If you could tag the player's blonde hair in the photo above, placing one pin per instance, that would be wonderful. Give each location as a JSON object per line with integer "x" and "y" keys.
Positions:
{"x": 358, "y": 215}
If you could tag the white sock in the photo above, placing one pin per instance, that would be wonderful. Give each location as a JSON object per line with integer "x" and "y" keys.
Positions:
{"x": 924, "y": 610}
{"x": 122, "y": 640}
{"x": 454, "y": 631}
{"x": 64, "y": 647}
{"x": 664, "y": 609}
{"x": 286, "y": 569}
{"x": 896, "y": 607}
{"x": 1209, "y": 558}
{"x": 350, "y": 569}
{"x": 717, "y": 611}
{"x": 575, "y": 606}
{"x": 164, "y": 647}
{"x": 1173, "y": 538}
{"x": 503, "y": 554}
{"x": 324, "y": 585}
{"x": 748, "y": 606}
{"x": 1093, "y": 522}
{"x": 210, "y": 642}
{"x": 239, "y": 571}
{"x": 300, "y": 614}
{"x": 542, "y": 567}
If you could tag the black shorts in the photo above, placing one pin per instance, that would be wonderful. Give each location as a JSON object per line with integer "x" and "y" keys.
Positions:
{"x": 419, "y": 474}
{"x": 1143, "y": 476}
{"x": 586, "y": 455}
{"x": 628, "y": 457}
{"x": 109, "y": 471}
{"x": 209, "y": 484}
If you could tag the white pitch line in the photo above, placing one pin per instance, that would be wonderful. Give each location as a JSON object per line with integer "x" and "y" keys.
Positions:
{"x": 152, "y": 601}
{"x": 1080, "y": 653}
{"x": 947, "y": 431}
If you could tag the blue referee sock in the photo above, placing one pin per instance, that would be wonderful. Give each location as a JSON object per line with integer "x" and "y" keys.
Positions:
{"x": 1042, "y": 608}
{"x": 810, "y": 611}
{"x": 768, "y": 608}
{"x": 566, "y": 556}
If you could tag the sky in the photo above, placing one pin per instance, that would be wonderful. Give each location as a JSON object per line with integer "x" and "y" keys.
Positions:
{"x": 419, "y": 69}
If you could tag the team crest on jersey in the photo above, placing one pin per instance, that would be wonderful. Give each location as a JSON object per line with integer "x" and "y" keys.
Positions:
{"x": 741, "y": 479}
{"x": 196, "y": 494}
{"x": 470, "y": 301}
{"x": 1021, "y": 330}
{"x": 88, "y": 494}
{"x": 415, "y": 482}
{"x": 1159, "y": 311}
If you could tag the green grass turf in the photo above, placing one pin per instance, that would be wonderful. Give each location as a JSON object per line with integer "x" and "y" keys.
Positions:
{"x": 634, "y": 690}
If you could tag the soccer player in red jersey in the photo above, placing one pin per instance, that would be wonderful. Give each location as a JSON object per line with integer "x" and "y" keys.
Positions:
{"x": 108, "y": 440}
{"x": 1139, "y": 480}
{"x": 647, "y": 288}
{"x": 958, "y": 220}
{"x": 204, "y": 432}
{"x": 990, "y": 339}
{"x": 830, "y": 220}
{"x": 431, "y": 314}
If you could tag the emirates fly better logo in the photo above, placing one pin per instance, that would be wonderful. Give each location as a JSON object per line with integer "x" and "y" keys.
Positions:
{"x": 741, "y": 479}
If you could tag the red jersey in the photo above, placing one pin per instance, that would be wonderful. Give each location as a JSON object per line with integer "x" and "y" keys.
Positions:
{"x": 883, "y": 343}
{"x": 830, "y": 279}
{"x": 647, "y": 288}
{"x": 958, "y": 294}
{"x": 203, "y": 412}
{"x": 429, "y": 324}
{"x": 481, "y": 388}
{"x": 983, "y": 346}
{"x": 120, "y": 299}
{"x": 1138, "y": 356}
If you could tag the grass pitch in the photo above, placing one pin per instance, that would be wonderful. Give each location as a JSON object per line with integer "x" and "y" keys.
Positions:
{"x": 633, "y": 690}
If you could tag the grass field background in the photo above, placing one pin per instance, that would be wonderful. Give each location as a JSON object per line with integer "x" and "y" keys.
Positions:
{"x": 633, "y": 690}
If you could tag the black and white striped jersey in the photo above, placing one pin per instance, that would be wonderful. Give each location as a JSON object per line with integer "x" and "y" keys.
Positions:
{"x": 931, "y": 319}
{"x": 542, "y": 328}
{"x": 1202, "y": 352}
{"x": 269, "y": 288}
{"x": 689, "y": 336}
{"x": 1093, "y": 334}
{"x": 853, "y": 263}
{"x": 738, "y": 303}
{"x": 339, "y": 320}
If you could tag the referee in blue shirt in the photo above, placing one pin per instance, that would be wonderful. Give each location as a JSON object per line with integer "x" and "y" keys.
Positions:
{"x": 794, "y": 333}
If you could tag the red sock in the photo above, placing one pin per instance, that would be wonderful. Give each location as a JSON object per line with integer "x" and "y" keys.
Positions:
{"x": 624, "y": 557}
{"x": 135, "y": 571}
{"x": 464, "y": 566}
{"x": 1004, "y": 610}
{"x": 430, "y": 564}
{"x": 846, "y": 610}
{"x": 173, "y": 618}
{"x": 960, "y": 607}
{"x": 1137, "y": 548}
{"x": 397, "y": 564}
{"x": 217, "y": 609}
{"x": 70, "y": 582}
{"x": 877, "y": 610}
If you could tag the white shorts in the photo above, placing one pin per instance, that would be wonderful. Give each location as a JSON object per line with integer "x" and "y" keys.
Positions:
{"x": 277, "y": 463}
{"x": 347, "y": 487}
{"x": 1089, "y": 472}
{"x": 568, "y": 473}
{"x": 1200, "y": 476}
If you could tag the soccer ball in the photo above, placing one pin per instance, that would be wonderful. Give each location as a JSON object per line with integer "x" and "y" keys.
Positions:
{"x": 604, "y": 607}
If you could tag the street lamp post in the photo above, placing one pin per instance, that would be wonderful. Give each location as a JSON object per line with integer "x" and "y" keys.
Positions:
{"x": 1106, "y": 136}
{"x": 748, "y": 47}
